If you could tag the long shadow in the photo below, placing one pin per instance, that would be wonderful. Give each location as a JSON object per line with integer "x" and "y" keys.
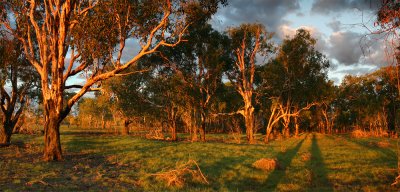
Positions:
{"x": 387, "y": 153}
{"x": 230, "y": 181}
{"x": 228, "y": 165}
{"x": 275, "y": 177}
{"x": 319, "y": 171}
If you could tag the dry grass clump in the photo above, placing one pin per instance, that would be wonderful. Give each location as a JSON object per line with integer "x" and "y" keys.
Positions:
{"x": 180, "y": 174}
{"x": 380, "y": 144}
{"x": 359, "y": 134}
{"x": 267, "y": 164}
{"x": 155, "y": 134}
{"x": 383, "y": 144}
{"x": 306, "y": 156}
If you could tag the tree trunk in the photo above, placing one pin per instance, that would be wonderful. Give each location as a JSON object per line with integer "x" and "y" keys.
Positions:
{"x": 103, "y": 123}
{"x": 296, "y": 124}
{"x": 52, "y": 144}
{"x": 173, "y": 133}
{"x": 203, "y": 126}
{"x": 286, "y": 131}
{"x": 267, "y": 135}
{"x": 5, "y": 134}
{"x": 125, "y": 131}
{"x": 172, "y": 127}
{"x": 249, "y": 123}
{"x": 172, "y": 113}
{"x": 194, "y": 133}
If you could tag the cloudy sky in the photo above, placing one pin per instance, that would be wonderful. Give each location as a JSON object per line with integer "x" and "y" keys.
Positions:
{"x": 341, "y": 27}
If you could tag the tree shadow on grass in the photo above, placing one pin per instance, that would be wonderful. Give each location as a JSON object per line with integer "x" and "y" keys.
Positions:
{"x": 285, "y": 159}
{"x": 319, "y": 180}
{"x": 225, "y": 172}
{"x": 84, "y": 168}
{"x": 231, "y": 173}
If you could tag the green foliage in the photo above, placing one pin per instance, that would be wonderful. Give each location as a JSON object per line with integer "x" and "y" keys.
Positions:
{"x": 298, "y": 73}
{"x": 362, "y": 99}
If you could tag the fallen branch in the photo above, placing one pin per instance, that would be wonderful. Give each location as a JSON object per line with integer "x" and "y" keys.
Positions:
{"x": 396, "y": 181}
{"x": 38, "y": 181}
{"x": 176, "y": 177}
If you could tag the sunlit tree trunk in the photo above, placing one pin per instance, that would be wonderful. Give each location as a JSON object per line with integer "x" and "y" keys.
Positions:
{"x": 203, "y": 119}
{"x": 172, "y": 114}
{"x": 248, "y": 114}
{"x": 52, "y": 144}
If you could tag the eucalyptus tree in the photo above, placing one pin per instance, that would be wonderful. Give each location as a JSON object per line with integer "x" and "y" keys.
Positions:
{"x": 247, "y": 42}
{"x": 17, "y": 78}
{"x": 210, "y": 58}
{"x": 294, "y": 80}
{"x": 199, "y": 64}
{"x": 62, "y": 39}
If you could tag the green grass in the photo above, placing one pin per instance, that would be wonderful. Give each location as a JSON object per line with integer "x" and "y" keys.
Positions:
{"x": 101, "y": 162}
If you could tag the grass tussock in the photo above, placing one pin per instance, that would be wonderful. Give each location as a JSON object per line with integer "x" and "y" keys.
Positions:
{"x": 306, "y": 156}
{"x": 155, "y": 134}
{"x": 267, "y": 164}
{"x": 359, "y": 134}
{"x": 380, "y": 144}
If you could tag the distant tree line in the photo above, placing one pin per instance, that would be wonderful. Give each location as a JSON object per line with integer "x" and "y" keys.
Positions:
{"x": 201, "y": 87}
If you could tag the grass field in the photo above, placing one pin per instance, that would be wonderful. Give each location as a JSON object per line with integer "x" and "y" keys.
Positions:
{"x": 101, "y": 162}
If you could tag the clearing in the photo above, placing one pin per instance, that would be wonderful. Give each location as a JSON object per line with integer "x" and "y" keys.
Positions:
{"x": 97, "y": 161}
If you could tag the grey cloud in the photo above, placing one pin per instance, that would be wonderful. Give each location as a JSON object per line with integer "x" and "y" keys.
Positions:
{"x": 132, "y": 47}
{"x": 300, "y": 14}
{"x": 345, "y": 47}
{"x": 335, "y": 25}
{"x": 376, "y": 50}
{"x": 268, "y": 12}
{"x": 336, "y": 80}
{"x": 356, "y": 70}
{"x": 335, "y": 6}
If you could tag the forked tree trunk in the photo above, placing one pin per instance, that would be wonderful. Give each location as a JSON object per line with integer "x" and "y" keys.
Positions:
{"x": 286, "y": 129}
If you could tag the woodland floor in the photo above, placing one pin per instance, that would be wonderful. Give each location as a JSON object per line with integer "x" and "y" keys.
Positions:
{"x": 95, "y": 161}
